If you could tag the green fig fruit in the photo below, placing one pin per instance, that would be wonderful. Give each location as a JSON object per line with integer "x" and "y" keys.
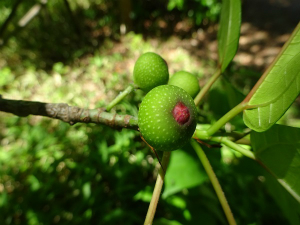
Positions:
{"x": 150, "y": 71}
{"x": 167, "y": 117}
{"x": 186, "y": 81}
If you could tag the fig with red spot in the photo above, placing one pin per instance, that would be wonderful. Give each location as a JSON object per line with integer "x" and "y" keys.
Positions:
{"x": 167, "y": 117}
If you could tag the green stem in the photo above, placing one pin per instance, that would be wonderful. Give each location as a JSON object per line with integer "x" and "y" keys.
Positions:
{"x": 206, "y": 87}
{"x": 228, "y": 116}
{"x": 234, "y": 146}
{"x": 215, "y": 183}
{"x": 120, "y": 97}
{"x": 206, "y": 134}
{"x": 157, "y": 189}
{"x": 243, "y": 141}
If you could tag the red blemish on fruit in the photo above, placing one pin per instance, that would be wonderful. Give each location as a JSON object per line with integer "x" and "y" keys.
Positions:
{"x": 181, "y": 113}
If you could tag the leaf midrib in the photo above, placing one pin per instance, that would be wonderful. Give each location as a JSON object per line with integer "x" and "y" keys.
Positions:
{"x": 283, "y": 92}
{"x": 228, "y": 41}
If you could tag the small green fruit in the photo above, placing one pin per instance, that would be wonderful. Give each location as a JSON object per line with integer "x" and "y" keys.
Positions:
{"x": 150, "y": 71}
{"x": 186, "y": 81}
{"x": 167, "y": 117}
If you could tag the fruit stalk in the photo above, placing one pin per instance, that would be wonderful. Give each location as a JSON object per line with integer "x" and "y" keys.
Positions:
{"x": 234, "y": 146}
{"x": 120, "y": 97}
{"x": 206, "y": 134}
{"x": 206, "y": 87}
{"x": 214, "y": 180}
{"x": 227, "y": 117}
{"x": 157, "y": 189}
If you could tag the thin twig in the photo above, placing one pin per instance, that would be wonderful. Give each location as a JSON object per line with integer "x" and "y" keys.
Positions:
{"x": 120, "y": 97}
{"x": 157, "y": 189}
{"x": 198, "y": 99}
{"x": 153, "y": 150}
{"x": 226, "y": 141}
{"x": 215, "y": 183}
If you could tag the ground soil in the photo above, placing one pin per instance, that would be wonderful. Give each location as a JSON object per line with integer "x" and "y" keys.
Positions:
{"x": 266, "y": 26}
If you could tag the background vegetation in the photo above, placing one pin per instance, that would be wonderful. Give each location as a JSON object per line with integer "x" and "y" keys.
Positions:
{"x": 54, "y": 173}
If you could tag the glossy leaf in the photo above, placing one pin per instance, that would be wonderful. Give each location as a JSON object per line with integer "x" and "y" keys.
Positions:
{"x": 229, "y": 31}
{"x": 278, "y": 149}
{"x": 184, "y": 171}
{"x": 289, "y": 206}
{"x": 277, "y": 88}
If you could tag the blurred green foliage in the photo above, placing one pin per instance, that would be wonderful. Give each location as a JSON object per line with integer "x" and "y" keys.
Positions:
{"x": 56, "y": 34}
{"x": 198, "y": 10}
{"x": 54, "y": 173}
{"x": 71, "y": 174}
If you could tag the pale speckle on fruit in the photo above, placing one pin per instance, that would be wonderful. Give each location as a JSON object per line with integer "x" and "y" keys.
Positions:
{"x": 165, "y": 133}
{"x": 150, "y": 70}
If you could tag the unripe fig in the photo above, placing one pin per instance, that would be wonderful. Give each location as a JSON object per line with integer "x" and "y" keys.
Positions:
{"x": 150, "y": 71}
{"x": 186, "y": 81}
{"x": 167, "y": 117}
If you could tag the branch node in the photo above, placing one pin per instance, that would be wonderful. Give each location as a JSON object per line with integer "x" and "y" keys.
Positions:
{"x": 126, "y": 120}
{"x": 112, "y": 122}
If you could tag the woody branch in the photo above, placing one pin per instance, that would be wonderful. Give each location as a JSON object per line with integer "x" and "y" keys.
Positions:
{"x": 68, "y": 114}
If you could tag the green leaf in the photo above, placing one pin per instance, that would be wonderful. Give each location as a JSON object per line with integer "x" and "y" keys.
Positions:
{"x": 278, "y": 149}
{"x": 175, "y": 4}
{"x": 34, "y": 182}
{"x": 229, "y": 31}
{"x": 144, "y": 195}
{"x": 289, "y": 206}
{"x": 277, "y": 89}
{"x": 184, "y": 171}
